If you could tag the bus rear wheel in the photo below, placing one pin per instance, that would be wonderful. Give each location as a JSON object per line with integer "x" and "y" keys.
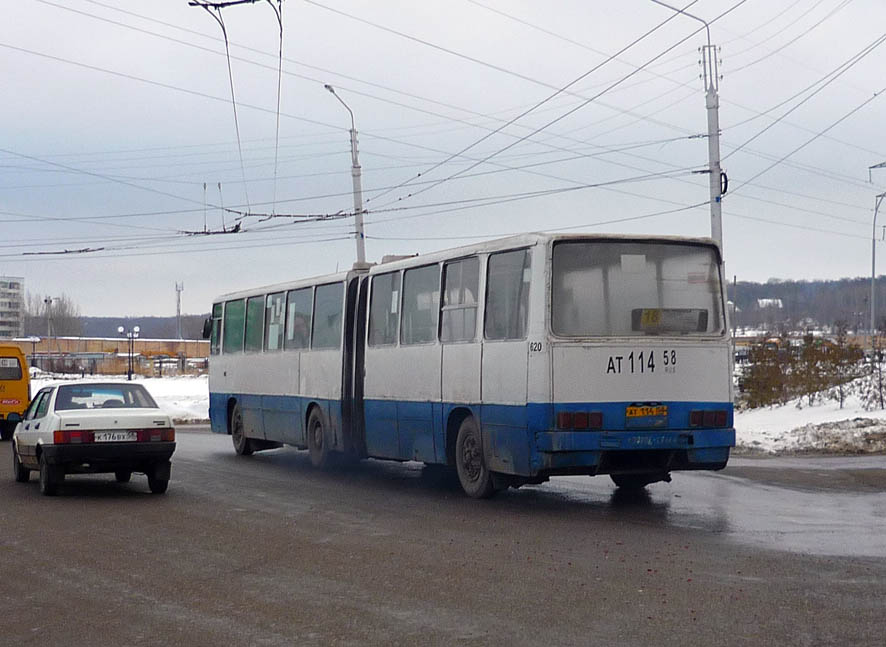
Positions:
{"x": 318, "y": 448}
{"x": 242, "y": 444}
{"x": 475, "y": 478}
{"x": 638, "y": 481}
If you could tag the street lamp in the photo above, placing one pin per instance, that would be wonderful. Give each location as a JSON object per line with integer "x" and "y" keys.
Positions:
{"x": 358, "y": 189}
{"x": 131, "y": 336}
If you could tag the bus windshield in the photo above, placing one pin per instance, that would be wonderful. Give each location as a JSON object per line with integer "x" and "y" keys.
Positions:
{"x": 613, "y": 288}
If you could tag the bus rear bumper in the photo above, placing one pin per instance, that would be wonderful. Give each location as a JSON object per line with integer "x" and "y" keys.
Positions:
{"x": 607, "y": 452}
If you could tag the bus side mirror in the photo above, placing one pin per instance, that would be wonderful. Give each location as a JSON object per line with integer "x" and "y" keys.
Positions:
{"x": 207, "y": 328}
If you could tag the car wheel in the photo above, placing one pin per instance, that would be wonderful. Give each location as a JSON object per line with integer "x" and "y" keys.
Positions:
{"x": 474, "y": 476}
{"x": 122, "y": 476}
{"x": 51, "y": 477}
{"x": 157, "y": 485}
{"x": 22, "y": 473}
{"x": 242, "y": 444}
{"x": 317, "y": 445}
{"x": 638, "y": 481}
{"x": 6, "y": 430}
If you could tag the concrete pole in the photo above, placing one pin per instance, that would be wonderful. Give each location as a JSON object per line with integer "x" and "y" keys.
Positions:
{"x": 874, "y": 269}
{"x": 356, "y": 176}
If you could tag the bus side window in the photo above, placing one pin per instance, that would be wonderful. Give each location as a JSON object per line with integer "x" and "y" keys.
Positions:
{"x": 327, "y": 316}
{"x": 274, "y": 317}
{"x": 255, "y": 323}
{"x": 384, "y": 309}
{"x": 421, "y": 293}
{"x": 458, "y": 313}
{"x": 235, "y": 319}
{"x": 299, "y": 304}
{"x": 215, "y": 339}
{"x": 507, "y": 295}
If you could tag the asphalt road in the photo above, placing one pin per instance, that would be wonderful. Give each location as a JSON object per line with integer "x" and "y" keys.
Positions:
{"x": 267, "y": 551}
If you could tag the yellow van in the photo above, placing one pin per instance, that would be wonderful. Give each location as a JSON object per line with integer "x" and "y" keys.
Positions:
{"x": 15, "y": 389}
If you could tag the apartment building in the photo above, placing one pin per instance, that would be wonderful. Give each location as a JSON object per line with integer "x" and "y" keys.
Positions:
{"x": 12, "y": 307}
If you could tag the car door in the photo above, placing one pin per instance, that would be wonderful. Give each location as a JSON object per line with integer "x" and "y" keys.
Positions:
{"x": 35, "y": 418}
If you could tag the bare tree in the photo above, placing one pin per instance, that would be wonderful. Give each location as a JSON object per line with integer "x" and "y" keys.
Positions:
{"x": 57, "y": 316}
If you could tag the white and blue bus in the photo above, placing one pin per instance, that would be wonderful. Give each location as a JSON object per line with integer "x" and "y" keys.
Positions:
{"x": 510, "y": 361}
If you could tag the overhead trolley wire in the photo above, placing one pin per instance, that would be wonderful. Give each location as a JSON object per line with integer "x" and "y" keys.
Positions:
{"x": 217, "y": 7}
{"x": 563, "y": 89}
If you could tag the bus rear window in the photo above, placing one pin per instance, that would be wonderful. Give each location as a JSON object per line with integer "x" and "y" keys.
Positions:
{"x": 610, "y": 288}
{"x": 10, "y": 368}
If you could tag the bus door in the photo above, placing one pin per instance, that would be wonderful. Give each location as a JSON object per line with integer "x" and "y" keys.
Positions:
{"x": 505, "y": 361}
{"x": 401, "y": 385}
{"x": 460, "y": 338}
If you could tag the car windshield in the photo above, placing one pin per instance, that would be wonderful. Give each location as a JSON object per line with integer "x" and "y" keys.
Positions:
{"x": 619, "y": 288}
{"x": 103, "y": 396}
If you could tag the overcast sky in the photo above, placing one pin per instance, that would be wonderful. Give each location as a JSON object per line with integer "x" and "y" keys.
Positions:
{"x": 115, "y": 114}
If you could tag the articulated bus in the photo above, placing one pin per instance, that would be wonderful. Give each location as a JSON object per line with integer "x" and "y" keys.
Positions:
{"x": 510, "y": 361}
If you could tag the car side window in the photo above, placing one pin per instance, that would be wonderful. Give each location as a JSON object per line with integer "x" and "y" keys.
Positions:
{"x": 31, "y": 413}
{"x": 43, "y": 405}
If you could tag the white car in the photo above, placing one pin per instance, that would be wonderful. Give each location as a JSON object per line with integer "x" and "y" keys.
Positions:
{"x": 93, "y": 427}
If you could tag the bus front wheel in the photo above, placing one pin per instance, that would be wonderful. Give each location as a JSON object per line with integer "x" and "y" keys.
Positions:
{"x": 317, "y": 445}
{"x": 242, "y": 444}
{"x": 475, "y": 478}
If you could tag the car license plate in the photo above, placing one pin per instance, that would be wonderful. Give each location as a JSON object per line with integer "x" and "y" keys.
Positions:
{"x": 115, "y": 436}
{"x": 643, "y": 412}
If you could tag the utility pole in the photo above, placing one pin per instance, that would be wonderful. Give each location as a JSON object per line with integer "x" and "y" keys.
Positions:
{"x": 358, "y": 186}
{"x": 717, "y": 180}
{"x": 179, "y": 288}
{"x": 878, "y": 200}
{"x": 48, "y": 301}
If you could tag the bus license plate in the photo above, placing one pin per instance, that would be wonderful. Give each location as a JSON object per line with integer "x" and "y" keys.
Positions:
{"x": 115, "y": 436}
{"x": 635, "y": 411}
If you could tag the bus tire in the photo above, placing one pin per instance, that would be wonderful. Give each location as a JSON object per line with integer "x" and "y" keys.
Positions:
{"x": 638, "y": 481}
{"x": 475, "y": 478}
{"x": 242, "y": 444}
{"x": 318, "y": 448}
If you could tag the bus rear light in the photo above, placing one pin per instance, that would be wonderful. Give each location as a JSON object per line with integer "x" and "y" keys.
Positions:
{"x": 717, "y": 418}
{"x": 579, "y": 420}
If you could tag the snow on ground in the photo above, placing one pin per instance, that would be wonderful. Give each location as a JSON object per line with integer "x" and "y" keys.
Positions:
{"x": 824, "y": 427}
{"x": 185, "y": 398}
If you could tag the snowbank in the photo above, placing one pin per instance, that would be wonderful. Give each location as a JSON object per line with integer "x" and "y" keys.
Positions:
{"x": 824, "y": 427}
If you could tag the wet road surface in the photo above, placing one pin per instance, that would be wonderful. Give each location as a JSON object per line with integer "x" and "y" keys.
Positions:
{"x": 267, "y": 551}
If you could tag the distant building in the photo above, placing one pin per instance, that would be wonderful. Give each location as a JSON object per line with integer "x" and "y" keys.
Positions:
{"x": 12, "y": 307}
{"x": 770, "y": 303}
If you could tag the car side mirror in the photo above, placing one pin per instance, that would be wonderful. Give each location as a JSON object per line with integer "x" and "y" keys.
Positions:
{"x": 14, "y": 418}
{"x": 207, "y": 328}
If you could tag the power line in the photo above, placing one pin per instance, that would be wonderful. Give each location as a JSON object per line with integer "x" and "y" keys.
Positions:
{"x": 812, "y": 139}
{"x": 217, "y": 7}
{"x": 561, "y": 90}
{"x": 824, "y": 82}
